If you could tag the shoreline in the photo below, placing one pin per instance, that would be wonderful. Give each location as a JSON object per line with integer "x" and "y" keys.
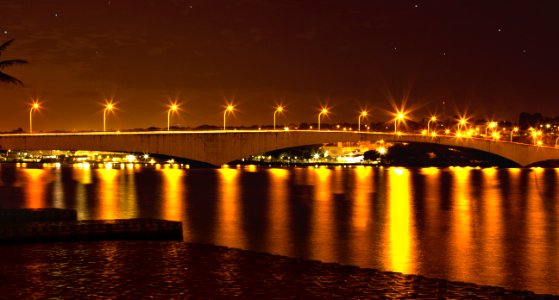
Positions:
{"x": 165, "y": 269}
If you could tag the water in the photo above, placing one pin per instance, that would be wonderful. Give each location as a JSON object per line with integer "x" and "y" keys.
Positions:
{"x": 488, "y": 226}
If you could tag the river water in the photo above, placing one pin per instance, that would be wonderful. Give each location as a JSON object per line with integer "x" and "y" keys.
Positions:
{"x": 487, "y": 226}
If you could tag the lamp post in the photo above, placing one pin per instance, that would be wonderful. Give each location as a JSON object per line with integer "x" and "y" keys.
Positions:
{"x": 34, "y": 106}
{"x": 399, "y": 118}
{"x": 363, "y": 114}
{"x": 490, "y": 125}
{"x": 515, "y": 129}
{"x": 534, "y": 136}
{"x": 279, "y": 109}
{"x": 173, "y": 108}
{"x": 324, "y": 111}
{"x": 461, "y": 123}
{"x": 108, "y": 107}
{"x": 229, "y": 108}
{"x": 432, "y": 119}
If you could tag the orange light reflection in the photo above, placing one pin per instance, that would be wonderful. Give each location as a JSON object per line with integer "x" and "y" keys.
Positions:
{"x": 535, "y": 218}
{"x": 34, "y": 183}
{"x": 461, "y": 230}
{"x": 322, "y": 233}
{"x": 108, "y": 194}
{"x": 400, "y": 234}
{"x": 279, "y": 215}
{"x": 362, "y": 191}
{"x": 127, "y": 202}
{"x": 173, "y": 193}
{"x": 491, "y": 211}
{"x": 229, "y": 231}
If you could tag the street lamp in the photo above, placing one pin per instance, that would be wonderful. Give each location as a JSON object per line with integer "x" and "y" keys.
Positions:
{"x": 433, "y": 119}
{"x": 279, "y": 109}
{"x": 363, "y": 114}
{"x": 172, "y": 108}
{"x": 109, "y": 106}
{"x": 490, "y": 125}
{"x": 534, "y": 136}
{"x": 229, "y": 108}
{"x": 461, "y": 123}
{"x": 323, "y": 111}
{"x": 34, "y": 106}
{"x": 515, "y": 129}
{"x": 399, "y": 117}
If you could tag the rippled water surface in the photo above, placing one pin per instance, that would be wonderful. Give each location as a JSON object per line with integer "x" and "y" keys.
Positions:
{"x": 488, "y": 226}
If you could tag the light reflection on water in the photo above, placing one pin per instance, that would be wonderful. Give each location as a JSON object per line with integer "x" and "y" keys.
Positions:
{"x": 400, "y": 228}
{"x": 489, "y": 226}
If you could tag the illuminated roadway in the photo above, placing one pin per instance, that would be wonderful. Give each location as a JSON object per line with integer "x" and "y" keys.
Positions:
{"x": 221, "y": 147}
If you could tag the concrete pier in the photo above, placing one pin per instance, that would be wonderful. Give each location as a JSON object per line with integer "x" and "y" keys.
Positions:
{"x": 56, "y": 225}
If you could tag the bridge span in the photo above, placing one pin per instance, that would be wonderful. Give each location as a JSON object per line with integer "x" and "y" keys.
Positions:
{"x": 221, "y": 147}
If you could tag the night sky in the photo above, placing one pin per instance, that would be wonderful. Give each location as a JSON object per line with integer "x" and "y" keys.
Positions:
{"x": 492, "y": 59}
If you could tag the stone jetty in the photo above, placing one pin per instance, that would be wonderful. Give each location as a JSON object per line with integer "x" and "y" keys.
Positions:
{"x": 56, "y": 225}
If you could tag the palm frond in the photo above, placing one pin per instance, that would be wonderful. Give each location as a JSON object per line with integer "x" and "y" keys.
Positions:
{"x": 5, "y": 45}
{"x": 9, "y": 79}
{"x": 11, "y": 62}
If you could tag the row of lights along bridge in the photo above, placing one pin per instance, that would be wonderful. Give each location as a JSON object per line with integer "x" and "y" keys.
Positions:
{"x": 462, "y": 129}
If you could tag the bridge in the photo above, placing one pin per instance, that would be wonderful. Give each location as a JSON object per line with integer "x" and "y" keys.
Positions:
{"x": 220, "y": 147}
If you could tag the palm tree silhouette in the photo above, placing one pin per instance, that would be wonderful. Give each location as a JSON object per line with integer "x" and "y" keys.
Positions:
{"x": 8, "y": 63}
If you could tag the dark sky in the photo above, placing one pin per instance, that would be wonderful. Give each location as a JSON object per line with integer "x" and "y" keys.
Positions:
{"x": 490, "y": 58}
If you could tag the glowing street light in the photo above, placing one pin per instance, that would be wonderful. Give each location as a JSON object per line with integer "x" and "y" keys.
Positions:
{"x": 515, "y": 129}
{"x": 279, "y": 109}
{"x": 109, "y": 106}
{"x": 534, "y": 136}
{"x": 381, "y": 150}
{"x": 490, "y": 125}
{"x": 174, "y": 107}
{"x": 399, "y": 117}
{"x": 363, "y": 114}
{"x": 463, "y": 121}
{"x": 228, "y": 109}
{"x": 323, "y": 111}
{"x": 34, "y": 106}
{"x": 432, "y": 119}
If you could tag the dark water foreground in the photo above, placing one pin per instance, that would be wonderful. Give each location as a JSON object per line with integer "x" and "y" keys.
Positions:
{"x": 184, "y": 270}
{"x": 497, "y": 227}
